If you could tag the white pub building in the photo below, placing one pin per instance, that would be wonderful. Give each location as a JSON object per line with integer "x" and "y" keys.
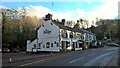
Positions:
{"x": 55, "y": 36}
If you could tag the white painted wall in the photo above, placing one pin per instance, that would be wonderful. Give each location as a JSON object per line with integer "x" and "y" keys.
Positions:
{"x": 30, "y": 45}
{"x": 52, "y": 37}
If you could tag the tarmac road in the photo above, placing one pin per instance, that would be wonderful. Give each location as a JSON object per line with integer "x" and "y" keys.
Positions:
{"x": 92, "y": 57}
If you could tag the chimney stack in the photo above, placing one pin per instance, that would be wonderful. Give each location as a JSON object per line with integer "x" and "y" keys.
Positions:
{"x": 48, "y": 16}
{"x": 63, "y": 22}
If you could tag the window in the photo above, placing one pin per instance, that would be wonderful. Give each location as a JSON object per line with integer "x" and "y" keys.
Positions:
{"x": 43, "y": 25}
{"x": 71, "y": 35}
{"x": 55, "y": 42}
{"x": 51, "y": 44}
{"x": 67, "y": 44}
{"x": 48, "y": 45}
{"x": 43, "y": 46}
{"x": 39, "y": 45}
{"x": 62, "y": 44}
{"x": 51, "y": 23}
{"x": 66, "y": 35}
{"x": 76, "y": 44}
{"x": 34, "y": 45}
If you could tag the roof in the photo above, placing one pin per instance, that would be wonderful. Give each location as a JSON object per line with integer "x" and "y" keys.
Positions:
{"x": 75, "y": 29}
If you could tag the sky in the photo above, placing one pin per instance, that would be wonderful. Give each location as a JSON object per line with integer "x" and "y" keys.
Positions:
{"x": 89, "y": 9}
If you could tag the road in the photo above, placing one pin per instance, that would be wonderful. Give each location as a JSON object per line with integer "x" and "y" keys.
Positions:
{"x": 92, "y": 57}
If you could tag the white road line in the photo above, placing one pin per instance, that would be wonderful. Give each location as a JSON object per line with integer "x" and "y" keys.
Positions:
{"x": 102, "y": 65}
{"x": 76, "y": 60}
{"x": 89, "y": 63}
{"x": 33, "y": 62}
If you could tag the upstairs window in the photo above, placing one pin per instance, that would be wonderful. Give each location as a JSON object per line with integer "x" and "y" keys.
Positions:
{"x": 71, "y": 35}
{"x": 43, "y": 25}
{"x": 55, "y": 42}
{"x": 65, "y": 35}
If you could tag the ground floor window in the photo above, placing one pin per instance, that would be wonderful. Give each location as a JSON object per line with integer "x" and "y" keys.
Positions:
{"x": 39, "y": 45}
{"x": 43, "y": 46}
{"x": 48, "y": 45}
{"x": 67, "y": 44}
{"x": 51, "y": 44}
{"x": 34, "y": 45}
{"x": 57, "y": 44}
{"x": 76, "y": 44}
{"x": 63, "y": 43}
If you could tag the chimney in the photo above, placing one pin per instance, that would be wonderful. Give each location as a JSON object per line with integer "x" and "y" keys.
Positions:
{"x": 48, "y": 16}
{"x": 63, "y": 22}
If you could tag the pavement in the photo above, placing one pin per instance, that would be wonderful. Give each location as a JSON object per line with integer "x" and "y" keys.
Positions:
{"x": 102, "y": 57}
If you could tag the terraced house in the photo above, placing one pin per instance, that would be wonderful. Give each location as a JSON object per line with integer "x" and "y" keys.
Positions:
{"x": 57, "y": 36}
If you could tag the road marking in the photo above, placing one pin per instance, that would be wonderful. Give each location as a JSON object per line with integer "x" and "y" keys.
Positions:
{"x": 91, "y": 62}
{"x": 76, "y": 60}
{"x": 103, "y": 64}
{"x": 33, "y": 62}
{"x": 107, "y": 59}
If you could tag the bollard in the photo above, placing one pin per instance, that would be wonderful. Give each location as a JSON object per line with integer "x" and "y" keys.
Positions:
{"x": 10, "y": 60}
{"x": 51, "y": 53}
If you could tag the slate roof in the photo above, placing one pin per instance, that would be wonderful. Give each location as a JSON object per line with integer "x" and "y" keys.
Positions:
{"x": 74, "y": 29}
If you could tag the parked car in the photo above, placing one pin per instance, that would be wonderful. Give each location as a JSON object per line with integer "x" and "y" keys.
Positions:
{"x": 6, "y": 50}
{"x": 15, "y": 50}
{"x": 113, "y": 44}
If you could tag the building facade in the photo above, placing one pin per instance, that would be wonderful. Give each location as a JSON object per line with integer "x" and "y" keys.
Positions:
{"x": 55, "y": 37}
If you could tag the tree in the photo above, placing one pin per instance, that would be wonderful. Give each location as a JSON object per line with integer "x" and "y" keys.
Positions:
{"x": 16, "y": 31}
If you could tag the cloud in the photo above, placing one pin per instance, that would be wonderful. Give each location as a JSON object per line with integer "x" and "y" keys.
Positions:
{"x": 2, "y": 7}
{"x": 109, "y": 10}
{"x": 39, "y": 11}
